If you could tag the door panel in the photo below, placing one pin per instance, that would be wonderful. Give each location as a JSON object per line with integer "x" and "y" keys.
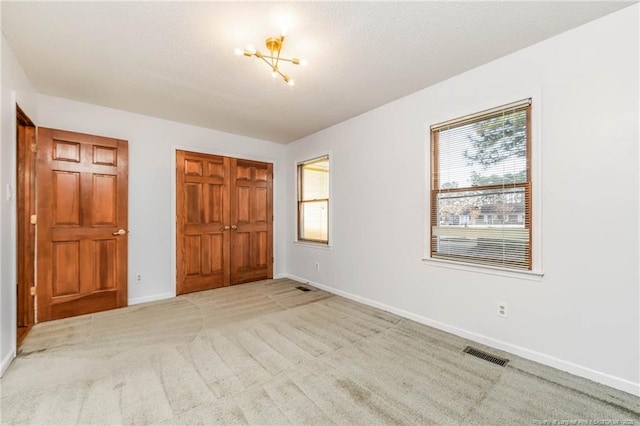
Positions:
{"x": 212, "y": 256}
{"x": 82, "y": 203}
{"x": 104, "y": 272}
{"x": 252, "y": 209}
{"x": 66, "y": 268}
{"x": 66, "y": 198}
{"x": 202, "y": 193}
{"x": 105, "y": 192}
{"x": 224, "y": 221}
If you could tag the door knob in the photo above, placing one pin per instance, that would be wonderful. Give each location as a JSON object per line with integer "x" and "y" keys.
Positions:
{"x": 234, "y": 227}
{"x": 226, "y": 227}
{"x": 120, "y": 232}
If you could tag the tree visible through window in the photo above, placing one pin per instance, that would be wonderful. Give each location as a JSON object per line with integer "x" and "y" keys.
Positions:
{"x": 481, "y": 188}
{"x": 313, "y": 200}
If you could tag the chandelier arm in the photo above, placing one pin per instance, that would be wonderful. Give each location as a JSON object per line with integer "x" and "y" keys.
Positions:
{"x": 280, "y": 59}
{"x": 265, "y": 61}
{"x": 279, "y": 49}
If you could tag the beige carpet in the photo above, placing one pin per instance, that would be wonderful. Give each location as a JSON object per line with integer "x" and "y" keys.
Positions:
{"x": 267, "y": 353}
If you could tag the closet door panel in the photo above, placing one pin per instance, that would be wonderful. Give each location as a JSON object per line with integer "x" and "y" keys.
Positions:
{"x": 202, "y": 210}
{"x": 252, "y": 218}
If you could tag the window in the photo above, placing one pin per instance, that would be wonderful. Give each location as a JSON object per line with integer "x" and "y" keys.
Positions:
{"x": 481, "y": 188}
{"x": 313, "y": 200}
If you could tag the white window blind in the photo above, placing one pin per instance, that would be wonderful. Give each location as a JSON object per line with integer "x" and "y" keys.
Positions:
{"x": 481, "y": 188}
{"x": 313, "y": 200}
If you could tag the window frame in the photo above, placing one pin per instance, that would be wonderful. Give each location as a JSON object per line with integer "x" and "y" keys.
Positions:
{"x": 300, "y": 203}
{"x": 533, "y": 207}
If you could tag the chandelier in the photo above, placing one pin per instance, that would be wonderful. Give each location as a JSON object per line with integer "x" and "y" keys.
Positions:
{"x": 273, "y": 59}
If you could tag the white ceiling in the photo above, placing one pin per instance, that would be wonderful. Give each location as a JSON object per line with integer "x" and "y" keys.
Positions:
{"x": 175, "y": 60}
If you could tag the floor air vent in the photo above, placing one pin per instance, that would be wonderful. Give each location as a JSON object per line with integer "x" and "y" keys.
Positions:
{"x": 487, "y": 357}
{"x": 303, "y": 288}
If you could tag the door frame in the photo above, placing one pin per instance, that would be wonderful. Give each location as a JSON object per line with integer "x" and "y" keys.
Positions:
{"x": 25, "y": 230}
{"x": 174, "y": 182}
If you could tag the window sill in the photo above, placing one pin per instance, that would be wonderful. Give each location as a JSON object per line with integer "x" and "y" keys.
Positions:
{"x": 483, "y": 269}
{"x": 310, "y": 244}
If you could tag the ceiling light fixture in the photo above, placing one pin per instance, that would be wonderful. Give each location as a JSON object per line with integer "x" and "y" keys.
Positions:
{"x": 274, "y": 44}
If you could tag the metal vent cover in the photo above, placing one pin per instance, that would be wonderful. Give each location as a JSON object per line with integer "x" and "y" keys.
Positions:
{"x": 301, "y": 288}
{"x": 486, "y": 356}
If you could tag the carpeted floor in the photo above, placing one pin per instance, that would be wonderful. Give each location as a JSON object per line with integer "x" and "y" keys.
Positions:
{"x": 267, "y": 353}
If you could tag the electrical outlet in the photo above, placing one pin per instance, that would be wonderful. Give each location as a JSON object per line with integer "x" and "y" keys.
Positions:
{"x": 138, "y": 278}
{"x": 502, "y": 310}
{"x": 317, "y": 266}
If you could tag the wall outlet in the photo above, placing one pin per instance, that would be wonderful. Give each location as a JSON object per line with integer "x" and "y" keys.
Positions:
{"x": 317, "y": 266}
{"x": 502, "y": 310}
{"x": 138, "y": 278}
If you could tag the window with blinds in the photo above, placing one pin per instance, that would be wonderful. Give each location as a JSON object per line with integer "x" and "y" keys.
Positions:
{"x": 313, "y": 200}
{"x": 481, "y": 188}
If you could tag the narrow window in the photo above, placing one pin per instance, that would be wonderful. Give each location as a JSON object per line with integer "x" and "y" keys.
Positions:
{"x": 481, "y": 188}
{"x": 313, "y": 200}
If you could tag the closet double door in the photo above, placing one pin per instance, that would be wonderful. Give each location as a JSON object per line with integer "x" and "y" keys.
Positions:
{"x": 224, "y": 221}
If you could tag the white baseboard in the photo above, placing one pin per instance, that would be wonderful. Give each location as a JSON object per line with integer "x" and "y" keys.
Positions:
{"x": 278, "y": 276}
{"x": 6, "y": 362}
{"x": 578, "y": 370}
{"x": 152, "y": 298}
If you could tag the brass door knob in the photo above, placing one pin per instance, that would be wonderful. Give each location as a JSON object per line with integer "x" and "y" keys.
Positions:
{"x": 234, "y": 227}
{"x": 120, "y": 232}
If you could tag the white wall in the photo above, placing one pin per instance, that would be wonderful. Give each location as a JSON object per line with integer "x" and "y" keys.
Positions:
{"x": 152, "y": 144}
{"x": 15, "y": 88}
{"x": 583, "y": 316}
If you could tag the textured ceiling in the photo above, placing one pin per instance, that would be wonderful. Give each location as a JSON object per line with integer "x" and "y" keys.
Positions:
{"x": 175, "y": 60}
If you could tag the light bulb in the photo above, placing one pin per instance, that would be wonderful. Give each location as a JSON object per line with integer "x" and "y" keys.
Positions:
{"x": 291, "y": 82}
{"x": 238, "y": 52}
{"x": 251, "y": 49}
{"x": 274, "y": 74}
{"x": 304, "y": 62}
{"x": 284, "y": 22}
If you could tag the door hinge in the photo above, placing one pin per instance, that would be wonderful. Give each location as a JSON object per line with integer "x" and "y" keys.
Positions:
{"x": 34, "y": 147}
{"x": 32, "y": 290}
{"x": 34, "y": 219}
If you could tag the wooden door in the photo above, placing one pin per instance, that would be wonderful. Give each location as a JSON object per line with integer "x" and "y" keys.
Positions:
{"x": 202, "y": 221}
{"x": 224, "y": 221}
{"x": 26, "y": 203}
{"x": 82, "y": 187}
{"x": 252, "y": 221}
